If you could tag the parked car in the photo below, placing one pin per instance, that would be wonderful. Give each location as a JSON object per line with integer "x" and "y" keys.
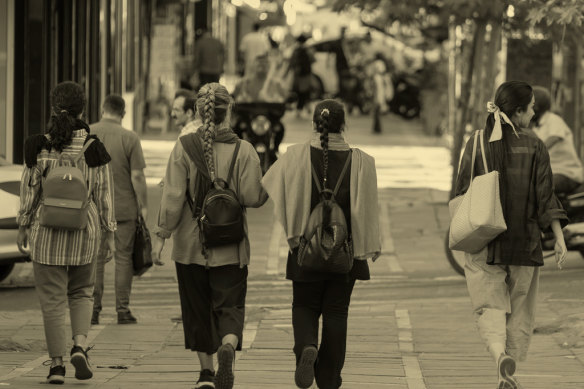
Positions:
{"x": 9, "y": 198}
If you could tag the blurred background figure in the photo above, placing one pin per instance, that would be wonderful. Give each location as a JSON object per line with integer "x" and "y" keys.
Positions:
{"x": 261, "y": 84}
{"x": 209, "y": 59}
{"x": 567, "y": 168}
{"x": 301, "y": 67}
{"x": 253, "y": 44}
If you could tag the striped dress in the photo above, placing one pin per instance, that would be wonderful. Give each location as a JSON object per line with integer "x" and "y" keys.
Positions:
{"x": 50, "y": 246}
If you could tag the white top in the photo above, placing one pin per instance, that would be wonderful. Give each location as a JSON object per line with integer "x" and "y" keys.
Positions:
{"x": 563, "y": 157}
{"x": 253, "y": 45}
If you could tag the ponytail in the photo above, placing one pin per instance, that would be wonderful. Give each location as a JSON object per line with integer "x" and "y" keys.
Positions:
{"x": 61, "y": 129}
{"x": 67, "y": 102}
{"x": 323, "y": 128}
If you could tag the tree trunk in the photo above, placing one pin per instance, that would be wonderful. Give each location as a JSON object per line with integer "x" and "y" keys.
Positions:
{"x": 472, "y": 63}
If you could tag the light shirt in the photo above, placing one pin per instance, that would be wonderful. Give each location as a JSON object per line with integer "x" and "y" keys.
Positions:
{"x": 563, "y": 157}
{"x": 253, "y": 45}
{"x": 191, "y": 127}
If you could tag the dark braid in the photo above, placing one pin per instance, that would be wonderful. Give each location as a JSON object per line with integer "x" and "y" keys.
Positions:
{"x": 214, "y": 105}
{"x": 67, "y": 103}
{"x": 323, "y": 128}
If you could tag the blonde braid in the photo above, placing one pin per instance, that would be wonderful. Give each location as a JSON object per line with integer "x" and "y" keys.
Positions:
{"x": 209, "y": 130}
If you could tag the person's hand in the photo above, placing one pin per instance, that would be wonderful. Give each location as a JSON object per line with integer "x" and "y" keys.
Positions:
{"x": 561, "y": 251}
{"x": 157, "y": 246}
{"x": 110, "y": 241}
{"x": 22, "y": 241}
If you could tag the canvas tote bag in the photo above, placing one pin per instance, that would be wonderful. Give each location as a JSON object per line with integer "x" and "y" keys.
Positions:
{"x": 476, "y": 217}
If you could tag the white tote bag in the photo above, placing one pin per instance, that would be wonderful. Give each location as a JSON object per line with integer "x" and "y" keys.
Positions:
{"x": 476, "y": 217}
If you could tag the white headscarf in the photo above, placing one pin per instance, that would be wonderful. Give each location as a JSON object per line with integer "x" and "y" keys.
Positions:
{"x": 497, "y": 133}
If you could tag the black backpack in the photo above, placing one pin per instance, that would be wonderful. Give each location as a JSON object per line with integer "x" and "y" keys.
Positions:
{"x": 220, "y": 217}
{"x": 326, "y": 246}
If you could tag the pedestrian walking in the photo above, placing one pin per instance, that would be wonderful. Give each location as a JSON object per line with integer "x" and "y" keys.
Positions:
{"x": 209, "y": 58}
{"x": 184, "y": 112}
{"x": 503, "y": 278}
{"x": 253, "y": 44}
{"x": 296, "y": 193}
{"x": 567, "y": 168}
{"x": 301, "y": 65}
{"x": 130, "y": 199}
{"x": 212, "y": 279}
{"x": 63, "y": 165}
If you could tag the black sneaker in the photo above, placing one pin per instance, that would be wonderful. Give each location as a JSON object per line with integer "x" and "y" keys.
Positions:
{"x": 56, "y": 375}
{"x": 80, "y": 361}
{"x": 225, "y": 356}
{"x": 126, "y": 318}
{"x": 206, "y": 380}
{"x": 304, "y": 375}
{"x": 95, "y": 318}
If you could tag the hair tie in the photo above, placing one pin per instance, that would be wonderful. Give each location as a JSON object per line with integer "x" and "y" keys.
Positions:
{"x": 497, "y": 133}
{"x": 325, "y": 113}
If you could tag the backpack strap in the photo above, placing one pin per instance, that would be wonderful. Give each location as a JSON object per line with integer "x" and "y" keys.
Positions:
{"x": 235, "y": 152}
{"x": 85, "y": 147}
{"x": 343, "y": 173}
{"x": 315, "y": 178}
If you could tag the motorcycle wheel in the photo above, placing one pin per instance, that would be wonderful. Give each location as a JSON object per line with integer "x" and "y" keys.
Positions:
{"x": 455, "y": 259}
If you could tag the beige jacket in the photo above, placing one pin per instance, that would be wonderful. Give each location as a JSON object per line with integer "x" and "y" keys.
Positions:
{"x": 288, "y": 182}
{"x": 175, "y": 217}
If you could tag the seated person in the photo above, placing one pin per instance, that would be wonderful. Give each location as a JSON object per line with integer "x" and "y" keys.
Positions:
{"x": 262, "y": 85}
{"x": 567, "y": 169}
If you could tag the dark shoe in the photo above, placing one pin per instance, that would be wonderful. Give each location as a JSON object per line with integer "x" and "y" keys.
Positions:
{"x": 304, "y": 375}
{"x": 56, "y": 375}
{"x": 126, "y": 318}
{"x": 506, "y": 367}
{"x": 206, "y": 380}
{"x": 80, "y": 361}
{"x": 225, "y": 356}
{"x": 95, "y": 318}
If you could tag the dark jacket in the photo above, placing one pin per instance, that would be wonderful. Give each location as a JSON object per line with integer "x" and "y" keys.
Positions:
{"x": 528, "y": 199}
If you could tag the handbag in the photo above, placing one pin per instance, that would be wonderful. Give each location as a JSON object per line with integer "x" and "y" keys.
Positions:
{"x": 476, "y": 217}
{"x": 142, "y": 253}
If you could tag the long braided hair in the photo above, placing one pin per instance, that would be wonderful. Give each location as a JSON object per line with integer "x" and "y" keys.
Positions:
{"x": 67, "y": 103}
{"x": 328, "y": 117}
{"x": 214, "y": 106}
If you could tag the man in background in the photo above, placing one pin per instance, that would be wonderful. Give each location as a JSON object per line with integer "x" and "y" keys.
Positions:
{"x": 130, "y": 200}
{"x": 183, "y": 112}
{"x": 209, "y": 58}
{"x": 253, "y": 45}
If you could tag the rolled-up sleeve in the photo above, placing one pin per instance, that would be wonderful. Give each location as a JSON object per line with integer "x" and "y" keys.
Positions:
{"x": 30, "y": 184}
{"x": 173, "y": 193}
{"x": 104, "y": 197}
{"x": 549, "y": 207}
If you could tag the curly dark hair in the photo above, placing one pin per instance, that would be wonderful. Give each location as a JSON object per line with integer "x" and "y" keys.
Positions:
{"x": 67, "y": 103}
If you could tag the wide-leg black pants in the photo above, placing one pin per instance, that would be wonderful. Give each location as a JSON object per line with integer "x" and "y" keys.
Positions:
{"x": 329, "y": 298}
{"x": 212, "y": 303}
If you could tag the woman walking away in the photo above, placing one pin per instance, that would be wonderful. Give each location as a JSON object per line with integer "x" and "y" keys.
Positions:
{"x": 503, "y": 278}
{"x": 212, "y": 276}
{"x": 297, "y": 194}
{"x": 63, "y": 253}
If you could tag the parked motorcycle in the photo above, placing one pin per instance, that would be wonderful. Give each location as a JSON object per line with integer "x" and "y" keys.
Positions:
{"x": 260, "y": 124}
{"x": 357, "y": 90}
{"x": 573, "y": 233}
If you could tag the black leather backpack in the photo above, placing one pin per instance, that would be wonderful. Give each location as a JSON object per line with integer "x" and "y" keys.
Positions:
{"x": 326, "y": 244}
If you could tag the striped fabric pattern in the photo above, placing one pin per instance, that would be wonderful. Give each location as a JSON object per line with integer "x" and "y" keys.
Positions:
{"x": 59, "y": 247}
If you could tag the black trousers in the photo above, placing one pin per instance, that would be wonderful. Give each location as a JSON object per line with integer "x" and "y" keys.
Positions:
{"x": 331, "y": 300}
{"x": 212, "y": 303}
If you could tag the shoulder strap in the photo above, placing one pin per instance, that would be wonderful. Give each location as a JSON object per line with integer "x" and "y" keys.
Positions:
{"x": 343, "y": 172}
{"x": 483, "y": 152}
{"x": 315, "y": 178}
{"x": 474, "y": 155}
{"x": 188, "y": 146}
{"x": 235, "y": 152}
{"x": 85, "y": 147}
